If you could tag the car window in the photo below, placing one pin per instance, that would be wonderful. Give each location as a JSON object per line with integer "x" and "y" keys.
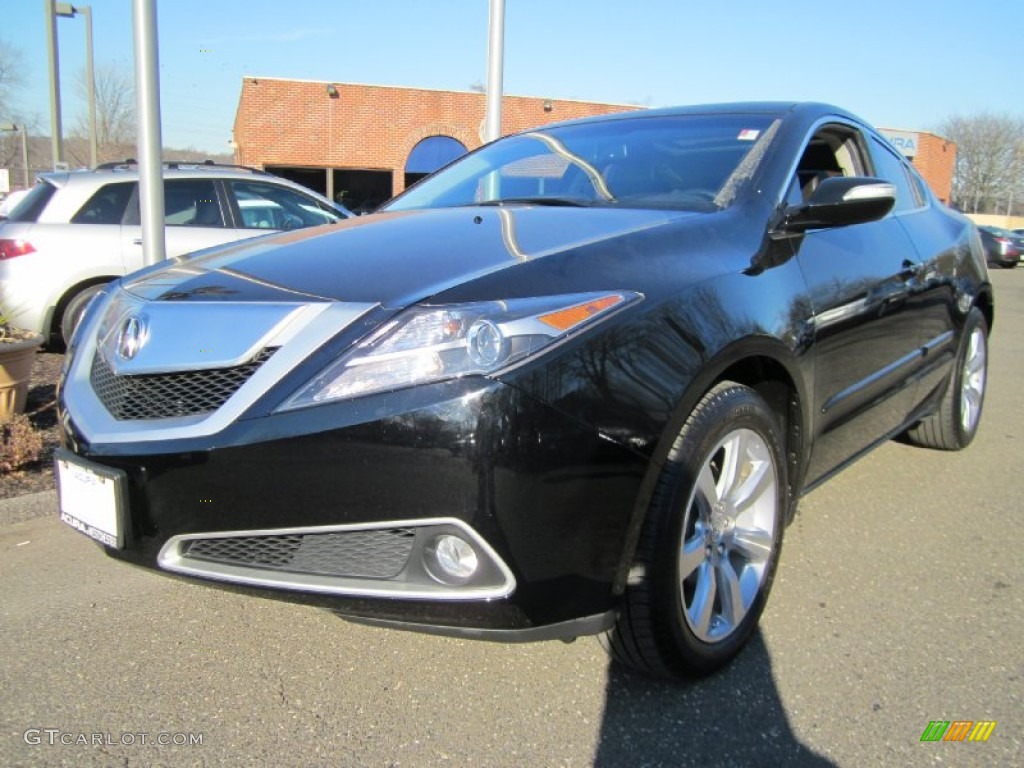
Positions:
{"x": 689, "y": 162}
{"x": 270, "y": 206}
{"x": 191, "y": 203}
{"x": 889, "y": 166}
{"x": 33, "y": 203}
{"x": 106, "y": 206}
{"x": 833, "y": 150}
{"x": 920, "y": 186}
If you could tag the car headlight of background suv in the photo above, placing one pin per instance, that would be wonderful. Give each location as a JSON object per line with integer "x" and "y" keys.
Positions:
{"x": 427, "y": 343}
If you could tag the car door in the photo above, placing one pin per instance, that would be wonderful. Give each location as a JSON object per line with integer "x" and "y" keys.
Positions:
{"x": 260, "y": 207}
{"x": 932, "y": 292}
{"x": 91, "y": 248}
{"x": 866, "y": 336}
{"x": 194, "y": 215}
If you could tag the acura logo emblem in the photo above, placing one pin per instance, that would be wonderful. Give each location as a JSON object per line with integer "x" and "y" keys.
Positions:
{"x": 132, "y": 336}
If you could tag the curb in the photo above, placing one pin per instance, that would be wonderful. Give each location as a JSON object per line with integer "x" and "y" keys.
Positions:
{"x": 27, "y": 507}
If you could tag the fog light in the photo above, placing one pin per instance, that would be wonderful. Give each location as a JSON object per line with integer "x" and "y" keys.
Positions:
{"x": 451, "y": 560}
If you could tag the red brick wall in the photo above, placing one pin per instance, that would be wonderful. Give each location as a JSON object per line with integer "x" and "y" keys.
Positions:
{"x": 934, "y": 161}
{"x": 368, "y": 127}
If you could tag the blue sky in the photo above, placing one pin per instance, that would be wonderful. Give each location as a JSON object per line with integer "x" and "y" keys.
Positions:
{"x": 904, "y": 64}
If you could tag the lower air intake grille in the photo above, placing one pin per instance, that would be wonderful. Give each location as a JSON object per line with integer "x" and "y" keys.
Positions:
{"x": 169, "y": 395}
{"x": 380, "y": 554}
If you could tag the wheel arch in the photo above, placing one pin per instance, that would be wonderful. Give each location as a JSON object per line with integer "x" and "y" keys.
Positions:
{"x": 55, "y": 317}
{"x": 984, "y": 302}
{"x": 774, "y": 372}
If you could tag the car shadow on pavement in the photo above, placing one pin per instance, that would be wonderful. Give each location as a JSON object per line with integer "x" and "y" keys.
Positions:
{"x": 734, "y": 717}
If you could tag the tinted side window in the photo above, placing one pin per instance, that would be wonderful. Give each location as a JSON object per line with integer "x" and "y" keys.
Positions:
{"x": 33, "y": 203}
{"x": 835, "y": 149}
{"x": 920, "y": 187}
{"x": 192, "y": 203}
{"x": 106, "y": 206}
{"x": 268, "y": 206}
{"x": 890, "y": 168}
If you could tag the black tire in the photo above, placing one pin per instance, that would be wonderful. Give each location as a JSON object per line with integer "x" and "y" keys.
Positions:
{"x": 74, "y": 309}
{"x": 955, "y": 423}
{"x": 696, "y": 535}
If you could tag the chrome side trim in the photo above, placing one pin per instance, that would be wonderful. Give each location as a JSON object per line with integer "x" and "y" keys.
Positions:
{"x": 413, "y": 583}
{"x": 302, "y": 329}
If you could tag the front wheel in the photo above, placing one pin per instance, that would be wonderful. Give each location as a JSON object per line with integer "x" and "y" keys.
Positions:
{"x": 711, "y": 541}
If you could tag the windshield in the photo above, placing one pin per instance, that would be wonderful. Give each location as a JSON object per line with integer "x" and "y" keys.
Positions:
{"x": 691, "y": 162}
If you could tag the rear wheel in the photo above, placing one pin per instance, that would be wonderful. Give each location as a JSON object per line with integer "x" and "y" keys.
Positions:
{"x": 74, "y": 309}
{"x": 711, "y": 542}
{"x": 955, "y": 423}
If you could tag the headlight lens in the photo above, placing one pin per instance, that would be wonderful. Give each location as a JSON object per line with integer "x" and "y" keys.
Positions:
{"x": 431, "y": 343}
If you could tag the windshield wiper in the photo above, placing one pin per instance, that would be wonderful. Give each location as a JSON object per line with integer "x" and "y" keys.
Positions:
{"x": 575, "y": 202}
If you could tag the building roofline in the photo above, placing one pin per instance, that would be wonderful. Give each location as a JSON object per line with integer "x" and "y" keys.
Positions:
{"x": 435, "y": 90}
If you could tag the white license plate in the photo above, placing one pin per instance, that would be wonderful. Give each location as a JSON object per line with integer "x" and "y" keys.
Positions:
{"x": 91, "y": 498}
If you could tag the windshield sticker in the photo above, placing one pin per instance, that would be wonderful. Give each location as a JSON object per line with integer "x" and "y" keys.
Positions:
{"x": 748, "y": 134}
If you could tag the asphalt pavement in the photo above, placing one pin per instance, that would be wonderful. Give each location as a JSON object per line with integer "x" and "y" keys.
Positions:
{"x": 898, "y": 602}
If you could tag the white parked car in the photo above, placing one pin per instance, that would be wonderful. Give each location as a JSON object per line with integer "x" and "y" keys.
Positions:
{"x": 76, "y": 231}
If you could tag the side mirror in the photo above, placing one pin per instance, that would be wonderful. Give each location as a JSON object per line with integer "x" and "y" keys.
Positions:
{"x": 839, "y": 202}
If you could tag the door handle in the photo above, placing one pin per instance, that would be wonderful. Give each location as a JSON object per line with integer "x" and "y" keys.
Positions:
{"x": 137, "y": 241}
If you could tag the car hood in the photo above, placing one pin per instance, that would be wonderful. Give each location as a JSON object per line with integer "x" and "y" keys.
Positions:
{"x": 389, "y": 259}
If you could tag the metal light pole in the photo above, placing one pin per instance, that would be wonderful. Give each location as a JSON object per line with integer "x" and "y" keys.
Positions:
{"x": 147, "y": 101}
{"x": 67, "y": 10}
{"x": 56, "y": 139}
{"x": 24, "y": 147}
{"x": 495, "y": 66}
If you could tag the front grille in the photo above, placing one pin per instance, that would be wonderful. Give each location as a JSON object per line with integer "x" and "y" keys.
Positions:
{"x": 380, "y": 554}
{"x": 169, "y": 395}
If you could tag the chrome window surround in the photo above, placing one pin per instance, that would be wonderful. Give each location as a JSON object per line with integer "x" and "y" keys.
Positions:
{"x": 412, "y": 583}
{"x": 301, "y": 328}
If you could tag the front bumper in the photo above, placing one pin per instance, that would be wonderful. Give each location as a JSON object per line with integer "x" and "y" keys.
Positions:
{"x": 546, "y": 499}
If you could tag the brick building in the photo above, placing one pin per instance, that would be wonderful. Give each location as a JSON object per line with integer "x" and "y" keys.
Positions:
{"x": 362, "y": 144}
{"x": 365, "y": 143}
{"x": 933, "y": 156}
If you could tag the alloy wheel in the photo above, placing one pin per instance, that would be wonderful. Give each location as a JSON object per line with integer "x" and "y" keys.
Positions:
{"x": 728, "y": 535}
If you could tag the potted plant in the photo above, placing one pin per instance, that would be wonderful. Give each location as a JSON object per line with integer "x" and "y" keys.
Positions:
{"x": 17, "y": 353}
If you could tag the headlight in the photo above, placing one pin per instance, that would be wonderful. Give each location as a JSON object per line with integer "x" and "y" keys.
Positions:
{"x": 431, "y": 343}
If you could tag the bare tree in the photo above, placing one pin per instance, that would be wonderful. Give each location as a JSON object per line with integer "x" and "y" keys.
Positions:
{"x": 115, "y": 113}
{"x": 11, "y": 77}
{"x": 989, "y": 172}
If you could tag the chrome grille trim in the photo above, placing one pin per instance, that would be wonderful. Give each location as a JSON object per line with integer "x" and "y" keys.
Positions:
{"x": 309, "y": 328}
{"x": 251, "y": 559}
{"x": 168, "y": 395}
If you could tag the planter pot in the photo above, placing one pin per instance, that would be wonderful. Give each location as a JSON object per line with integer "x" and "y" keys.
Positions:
{"x": 16, "y": 358}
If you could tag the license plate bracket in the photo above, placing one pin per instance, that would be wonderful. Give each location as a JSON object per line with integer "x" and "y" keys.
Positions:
{"x": 91, "y": 498}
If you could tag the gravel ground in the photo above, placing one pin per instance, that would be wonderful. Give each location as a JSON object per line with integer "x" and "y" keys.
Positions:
{"x": 42, "y": 411}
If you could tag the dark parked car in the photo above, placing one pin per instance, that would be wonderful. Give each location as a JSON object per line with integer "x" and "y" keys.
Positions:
{"x": 1002, "y": 247}
{"x": 575, "y": 383}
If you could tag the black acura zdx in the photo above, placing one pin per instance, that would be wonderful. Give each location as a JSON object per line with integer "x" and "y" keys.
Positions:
{"x": 574, "y": 383}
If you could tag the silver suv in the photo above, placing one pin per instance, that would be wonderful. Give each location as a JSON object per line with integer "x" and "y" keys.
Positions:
{"x": 76, "y": 231}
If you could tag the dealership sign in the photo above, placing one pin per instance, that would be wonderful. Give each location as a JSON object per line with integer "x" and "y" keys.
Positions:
{"x": 904, "y": 141}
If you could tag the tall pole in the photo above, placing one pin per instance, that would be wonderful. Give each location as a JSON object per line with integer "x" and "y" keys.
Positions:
{"x": 90, "y": 85}
{"x": 150, "y": 142}
{"x": 56, "y": 139}
{"x": 24, "y": 155}
{"x": 495, "y": 64}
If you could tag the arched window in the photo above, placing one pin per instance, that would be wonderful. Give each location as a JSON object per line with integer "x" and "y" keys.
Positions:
{"x": 430, "y": 154}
